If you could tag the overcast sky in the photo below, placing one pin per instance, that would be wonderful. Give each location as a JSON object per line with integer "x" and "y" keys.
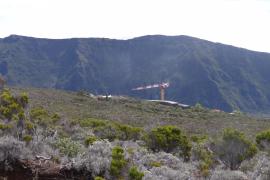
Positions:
{"x": 243, "y": 23}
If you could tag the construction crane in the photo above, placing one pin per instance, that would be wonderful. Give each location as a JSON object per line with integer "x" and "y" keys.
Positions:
{"x": 162, "y": 87}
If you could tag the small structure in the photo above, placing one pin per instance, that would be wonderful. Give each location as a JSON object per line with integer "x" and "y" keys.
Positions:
{"x": 171, "y": 103}
{"x": 216, "y": 110}
{"x": 104, "y": 97}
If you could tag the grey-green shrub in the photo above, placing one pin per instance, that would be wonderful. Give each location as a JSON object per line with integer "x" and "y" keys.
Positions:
{"x": 233, "y": 148}
{"x": 96, "y": 159}
{"x": 68, "y": 147}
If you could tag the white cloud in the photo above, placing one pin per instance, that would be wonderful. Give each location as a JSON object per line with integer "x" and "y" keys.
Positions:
{"x": 241, "y": 23}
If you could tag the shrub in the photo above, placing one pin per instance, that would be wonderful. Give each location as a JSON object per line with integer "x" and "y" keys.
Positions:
{"x": 169, "y": 139}
{"x": 112, "y": 130}
{"x": 29, "y": 126}
{"x": 135, "y": 174}
{"x": 89, "y": 140}
{"x": 155, "y": 164}
{"x": 233, "y": 148}
{"x": 199, "y": 138}
{"x": 23, "y": 99}
{"x": 68, "y": 147}
{"x": 205, "y": 158}
{"x": 129, "y": 132}
{"x": 263, "y": 140}
{"x": 41, "y": 117}
{"x": 4, "y": 127}
{"x": 11, "y": 149}
{"x": 55, "y": 117}
{"x": 107, "y": 131}
{"x": 38, "y": 113}
{"x": 96, "y": 159}
{"x": 165, "y": 173}
{"x": 228, "y": 175}
{"x": 91, "y": 122}
{"x": 198, "y": 107}
{"x": 118, "y": 161}
{"x": 99, "y": 178}
{"x": 10, "y": 105}
{"x": 27, "y": 138}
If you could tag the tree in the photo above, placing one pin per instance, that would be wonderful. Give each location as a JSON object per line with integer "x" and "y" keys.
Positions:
{"x": 233, "y": 148}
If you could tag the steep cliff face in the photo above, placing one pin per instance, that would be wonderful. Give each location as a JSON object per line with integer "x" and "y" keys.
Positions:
{"x": 215, "y": 75}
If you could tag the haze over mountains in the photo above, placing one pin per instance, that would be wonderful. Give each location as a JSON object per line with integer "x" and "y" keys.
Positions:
{"x": 213, "y": 74}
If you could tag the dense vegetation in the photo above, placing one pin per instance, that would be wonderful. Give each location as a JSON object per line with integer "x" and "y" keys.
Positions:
{"x": 36, "y": 135}
{"x": 215, "y": 75}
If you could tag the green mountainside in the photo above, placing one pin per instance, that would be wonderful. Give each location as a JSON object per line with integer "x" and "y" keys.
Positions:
{"x": 213, "y": 74}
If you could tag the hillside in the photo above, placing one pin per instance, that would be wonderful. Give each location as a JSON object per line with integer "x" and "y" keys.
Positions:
{"x": 53, "y": 134}
{"x": 213, "y": 74}
{"x": 74, "y": 106}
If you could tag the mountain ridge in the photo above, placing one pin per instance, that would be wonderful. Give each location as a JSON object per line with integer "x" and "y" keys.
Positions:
{"x": 213, "y": 74}
{"x": 132, "y": 38}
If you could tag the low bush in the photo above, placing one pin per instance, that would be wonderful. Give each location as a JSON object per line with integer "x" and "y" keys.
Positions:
{"x": 112, "y": 130}
{"x": 99, "y": 178}
{"x": 23, "y": 99}
{"x": 199, "y": 138}
{"x": 205, "y": 158}
{"x": 96, "y": 159}
{"x": 27, "y": 138}
{"x": 228, "y": 175}
{"x": 89, "y": 140}
{"x": 40, "y": 117}
{"x": 129, "y": 132}
{"x": 30, "y": 127}
{"x": 135, "y": 174}
{"x": 11, "y": 150}
{"x": 108, "y": 131}
{"x": 169, "y": 139}
{"x": 68, "y": 147}
{"x": 155, "y": 164}
{"x": 263, "y": 140}
{"x": 55, "y": 117}
{"x": 12, "y": 107}
{"x": 92, "y": 122}
{"x": 118, "y": 161}
{"x": 165, "y": 173}
{"x": 5, "y": 127}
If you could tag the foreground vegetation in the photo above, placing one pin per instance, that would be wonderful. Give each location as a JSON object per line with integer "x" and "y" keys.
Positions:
{"x": 83, "y": 136}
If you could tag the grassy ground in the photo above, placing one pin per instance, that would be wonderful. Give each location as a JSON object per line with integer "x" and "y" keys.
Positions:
{"x": 72, "y": 106}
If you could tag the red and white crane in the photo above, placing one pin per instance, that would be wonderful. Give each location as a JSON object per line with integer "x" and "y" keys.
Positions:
{"x": 162, "y": 87}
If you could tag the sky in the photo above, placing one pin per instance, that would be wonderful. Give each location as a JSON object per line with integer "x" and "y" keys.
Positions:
{"x": 242, "y": 23}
